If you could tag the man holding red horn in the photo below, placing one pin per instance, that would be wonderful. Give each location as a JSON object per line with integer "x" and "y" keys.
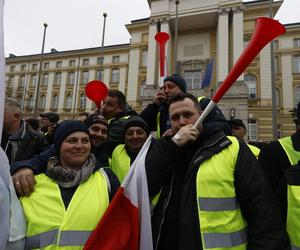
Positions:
{"x": 213, "y": 193}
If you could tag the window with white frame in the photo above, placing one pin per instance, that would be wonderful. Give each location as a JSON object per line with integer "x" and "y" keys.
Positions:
{"x": 71, "y": 77}
{"x": 34, "y": 66}
{"x": 144, "y": 57}
{"x": 115, "y": 59}
{"x": 72, "y": 63}
{"x": 85, "y": 62}
{"x": 68, "y": 101}
{"x": 46, "y": 65}
{"x": 98, "y": 60}
{"x": 45, "y": 79}
{"x": 57, "y": 78}
{"x": 23, "y": 67}
{"x": 12, "y": 68}
{"x": 85, "y": 76}
{"x": 54, "y": 103}
{"x": 42, "y": 102}
{"x": 82, "y": 101}
{"x": 296, "y": 64}
{"x": 297, "y": 43}
{"x": 193, "y": 79}
{"x": 97, "y": 74}
{"x": 252, "y": 130}
{"x": 22, "y": 81}
{"x": 58, "y": 64}
{"x": 115, "y": 75}
{"x": 10, "y": 81}
{"x": 33, "y": 80}
{"x": 250, "y": 81}
{"x": 297, "y": 95}
{"x": 30, "y": 102}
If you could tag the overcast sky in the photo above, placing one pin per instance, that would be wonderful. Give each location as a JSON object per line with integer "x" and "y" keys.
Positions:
{"x": 76, "y": 24}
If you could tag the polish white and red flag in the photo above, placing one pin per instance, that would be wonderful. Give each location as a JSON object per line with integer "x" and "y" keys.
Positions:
{"x": 126, "y": 224}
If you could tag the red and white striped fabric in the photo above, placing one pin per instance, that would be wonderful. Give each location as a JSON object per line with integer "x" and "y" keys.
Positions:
{"x": 126, "y": 223}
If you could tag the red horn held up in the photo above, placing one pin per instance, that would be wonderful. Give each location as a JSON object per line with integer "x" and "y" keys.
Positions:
{"x": 162, "y": 38}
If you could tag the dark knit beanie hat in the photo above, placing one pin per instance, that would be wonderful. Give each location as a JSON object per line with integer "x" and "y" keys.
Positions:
{"x": 66, "y": 128}
{"x": 96, "y": 118}
{"x": 178, "y": 80}
{"x": 136, "y": 121}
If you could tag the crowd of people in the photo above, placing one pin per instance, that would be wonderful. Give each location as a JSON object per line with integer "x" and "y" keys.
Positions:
{"x": 208, "y": 188}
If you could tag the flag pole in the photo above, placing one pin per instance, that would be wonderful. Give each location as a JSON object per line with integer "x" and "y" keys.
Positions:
{"x": 102, "y": 46}
{"x": 37, "y": 91}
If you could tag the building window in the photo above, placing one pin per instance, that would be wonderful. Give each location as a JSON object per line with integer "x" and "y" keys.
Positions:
{"x": 296, "y": 64}
{"x": 97, "y": 74}
{"x": 297, "y": 43}
{"x": 23, "y": 67}
{"x": 68, "y": 101}
{"x": 33, "y": 80}
{"x": 34, "y": 66}
{"x": 193, "y": 79}
{"x": 144, "y": 57}
{"x": 12, "y": 68}
{"x": 54, "y": 103}
{"x": 45, "y": 79}
{"x": 30, "y": 102}
{"x": 71, "y": 78}
{"x": 82, "y": 101}
{"x": 115, "y": 59}
{"x": 22, "y": 81}
{"x": 277, "y": 98}
{"x": 98, "y": 60}
{"x": 297, "y": 96}
{"x": 72, "y": 63}
{"x": 85, "y": 77}
{"x": 57, "y": 79}
{"x": 250, "y": 81}
{"x": 58, "y": 64}
{"x": 252, "y": 130}
{"x": 10, "y": 81}
{"x": 85, "y": 62}
{"x": 46, "y": 65}
{"x": 115, "y": 75}
{"x": 42, "y": 102}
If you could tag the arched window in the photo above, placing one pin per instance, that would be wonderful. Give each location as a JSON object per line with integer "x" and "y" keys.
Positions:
{"x": 82, "y": 101}
{"x": 297, "y": 95}
{"x": 55, "y": 102}
{"x": 250, "y": 81}
{"x": 68, "y": 101}
{"x": 30, "y": 102}
{"x": 43, "y": 102}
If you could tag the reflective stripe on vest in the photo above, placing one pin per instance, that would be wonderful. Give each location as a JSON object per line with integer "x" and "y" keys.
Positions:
{"x": 124, "y": 118}
{"x": 58, "y": 227}
{"x": 221, "y": 222}
{"x": 254, "y": 150}
{"x": 120, "y": 162}
{"x": 293, "y": 196}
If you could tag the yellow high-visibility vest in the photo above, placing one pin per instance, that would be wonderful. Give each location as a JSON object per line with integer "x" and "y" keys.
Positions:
{"x": 120, "y": 162}
{"x": 51, "y": 225}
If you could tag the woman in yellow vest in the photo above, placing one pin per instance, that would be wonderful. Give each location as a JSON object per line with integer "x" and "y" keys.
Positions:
{"x": 71, "y": 197}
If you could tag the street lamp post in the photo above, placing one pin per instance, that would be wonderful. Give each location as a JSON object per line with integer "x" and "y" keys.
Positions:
{"x": 102, "y": 46}
{"x": 37, "y": 90}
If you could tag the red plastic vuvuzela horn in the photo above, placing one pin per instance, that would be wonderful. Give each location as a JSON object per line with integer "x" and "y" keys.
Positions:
{"x": 162, "y": 38}
{"x": 266, "y": 30}
{"x": 96, "y": 91}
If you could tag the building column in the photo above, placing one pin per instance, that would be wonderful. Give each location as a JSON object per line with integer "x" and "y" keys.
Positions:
{"x": 287, "y": 82}
{"x": 133, "y": 75}
{"x": 265, "y": 76}
{"x": 61, "y": 102}
{"x": 152, "y": 57}
{"x": 222, "y": 45}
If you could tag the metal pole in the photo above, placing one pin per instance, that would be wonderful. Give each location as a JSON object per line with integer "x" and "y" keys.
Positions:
{"x": 273, "y": 83}
{"x": 176, "y": 34}
{"x": 102, "y": 45}
{"x": 36, "y": 99}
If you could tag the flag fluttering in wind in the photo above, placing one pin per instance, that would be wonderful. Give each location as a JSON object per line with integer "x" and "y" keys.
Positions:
{"x": 126, "y": 224}
{"x": 208, "y": 74}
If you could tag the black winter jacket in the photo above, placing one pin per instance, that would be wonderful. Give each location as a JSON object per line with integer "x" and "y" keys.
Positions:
{"x": 278, "y": 169}
{"x": 173, "y": 170}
